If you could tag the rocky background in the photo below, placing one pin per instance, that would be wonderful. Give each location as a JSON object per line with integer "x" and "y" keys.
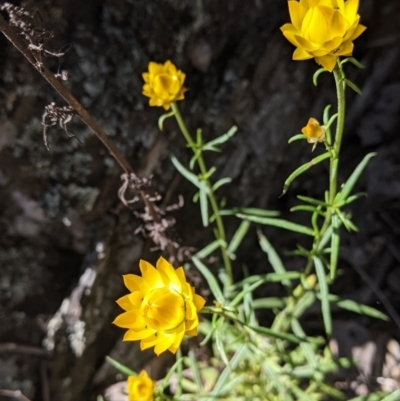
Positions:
{"x": 65, "y": 236}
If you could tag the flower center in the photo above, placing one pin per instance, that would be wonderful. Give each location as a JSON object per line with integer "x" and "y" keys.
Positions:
{"x": 163, "y": 309}
{"x": 166, "y": 85}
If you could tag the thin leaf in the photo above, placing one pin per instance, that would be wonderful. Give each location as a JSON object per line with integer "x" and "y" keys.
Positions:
{"x": 303, "y": 304}
{"x": 208, "y": 250}
{"x": 311, "y": 200}
{"x": 300, "y": 394}
{"x": 325, "y": 120}
{"x": 335, "y": 245}
{"x": 268, "y": 278}
{"x": 278, "y": 335}
{"x": 356, "y": 307}
{"x": 303, "y": 169}
{"x": 353, "y": 61}
{"x": 307, "y": 208}
{"x": 324, "y": 295}
{"x": 317, "y": 74}
{"x": 269, "y": 303}
{"x": 273, "y": 257}
{"x": 210, "y": 278}
{"x": 163, "y": 118}
{"x": 194, "y": 366}
{"x": 238, "y": 237}
{"x": 221, "y": 139}
{"x": 168, "y": 376}
{"x": 297, "y": 138}
{"x": 287, "y": 225}
{"x": 348, "y": 186}
{"x": 221, "y": 182}
{"x": 350, "y": 226}
{"x": 249, "y": 211}
{"x": 393, "y": 397}
{"x": 245, "y": 291}
{"x": 187, "y": 174}
{"x": 273, "y": 376}
{"x": 204, "y": 207}
{"x": 307, "y": 349}
{"x": 353, "y": 86}
{"x": 122, "y": 368}
{"x": 211, "y": 332}
{"x": 224, "y": 376}
{"x": 193, "y": 159}
{"x": 219, "y": 334}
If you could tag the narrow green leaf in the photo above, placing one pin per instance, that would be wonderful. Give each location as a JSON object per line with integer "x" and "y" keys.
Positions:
{"x": 219, "y": 334}
{"x": 224, "y": 376}
{"x": 287, "y": 225}
{"x": 393, "y": 397}
{"x": 311, "y": 200}
{"x": 297, "y": 138}
{"x": 269, "y": 303}
{"x": 273, "y": 257}
{"x": 349, "y": 225}
{"x": 245, "y": 291}
{"x": 100, "y": 398}
{"x": 279, "y": 386}
{"x": 303, "y": 304}
{"x": 324, "y": 295}
{"x": 250, "y": 211}
{"x": 268, "y": 278}
{"x": 278, "y": 335}
{"x": 221, "y": 139}
{"x": 194, "y": 367}
{"x": 325, "y": 120}
{"x": 356, "y": 307}
{"x": 238, "y": 237}
{"x": 317, "y": 74}
{"x": 211, "y": 332}
{"x": 208, "y": 250}
{"x": 377, "y": 396}
{"x": 353, "y": 61}
{"x": 351, "y": 199}
{"x": 307, "y": 208}
{"x": 194, "y": 158}
{"x": 300, "y": 394}
{"x": 210, "y": 278}
{"x": 335, "y": 244}
{"x": 171, "y": 371}
{"x": 187, "y": 174}
{"x": 307, "y": 349}
{"x": 122, "y": 368}
{"x": 163, "y": 118}
{"x": 353, "y": 86}
{"x": 204, "y": 207}
{"x": 303, "y": 169}
{"x": 348, "y": 186}
{"x": 221, "y": 182}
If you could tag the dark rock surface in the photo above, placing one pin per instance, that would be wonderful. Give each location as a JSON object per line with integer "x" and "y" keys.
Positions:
{"x": 65, "y": 234}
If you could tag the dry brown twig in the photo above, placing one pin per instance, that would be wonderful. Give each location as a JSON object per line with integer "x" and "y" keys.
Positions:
{"x": 21, "y": 26}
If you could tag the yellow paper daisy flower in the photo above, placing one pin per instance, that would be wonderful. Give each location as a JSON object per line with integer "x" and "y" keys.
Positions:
{"x": 323, "y": 29}
{"x": 161, "y": 308}
{"x": 314, "y": 131}
{"x": 140, "y": 388}
{"x": 163, "y": 84}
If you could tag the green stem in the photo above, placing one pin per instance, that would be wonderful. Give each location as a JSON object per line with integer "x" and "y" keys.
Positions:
{"x": 211, "y": 195}
{"x": 333, "y": 170}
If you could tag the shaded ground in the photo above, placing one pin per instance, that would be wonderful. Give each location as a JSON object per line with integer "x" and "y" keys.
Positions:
{"x": 64, "y": 231}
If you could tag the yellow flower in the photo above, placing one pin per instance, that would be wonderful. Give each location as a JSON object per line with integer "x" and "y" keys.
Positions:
{"x": 323, "y": 29}
{"x": 163, "y": 84}
{"x": 314, "y": 131}
{"x": 161, "y": 308}
{"x": 140, "y": 388}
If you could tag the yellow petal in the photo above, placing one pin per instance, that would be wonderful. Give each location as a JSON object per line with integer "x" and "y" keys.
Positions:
{"x": 155, "y": 68}
{"x": 304, "y": 43}
{"x": 135, "y": 299}
{"x": 327, "y": 62}
{"x": 126, "y": 320}
{"x": 357, "y": 32}
{"x": 316, "y": 25}
{"x": 145, "y": 76}
{"x": 148, "y": 342}
{"x": 346, "y": 49}
{"x": 166, "y": 106}
{"x": 191, "y": 310}
{"x": 132, "y": 335}
{"x": 331, "y": 45}
{"x": 134, "y": 283}
{"x": 179, "y": 334}
{"x": 289, "y": 31}
{"x": 350, "y": 10}
{"x": 191, "y": 333}
{"x": 150, "y": 275}
{"x": 301, "y": 54}
{"x": 125, "y": 303}
{"x": 199, "y": 301}
{"x": 191, "y": 324}
{"x": 338, "y": 25}
{"x": 297, "y": 13}
{"x": 168, "y": 275}
{"x": 164, "y": 342}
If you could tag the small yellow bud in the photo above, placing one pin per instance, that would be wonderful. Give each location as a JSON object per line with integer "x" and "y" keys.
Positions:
{"x": 314, "y": 131}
